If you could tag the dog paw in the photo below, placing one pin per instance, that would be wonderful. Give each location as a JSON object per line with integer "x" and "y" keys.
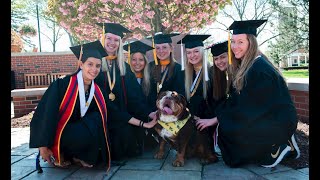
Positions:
{"x": 178, "y": 163}
{"x": 159, "y": 155}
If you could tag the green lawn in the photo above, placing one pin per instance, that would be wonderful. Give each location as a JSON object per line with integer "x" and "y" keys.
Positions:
{"x": 301, "y": 73}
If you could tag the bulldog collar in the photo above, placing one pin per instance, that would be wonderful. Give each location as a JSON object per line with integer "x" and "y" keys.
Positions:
{"x": 174, "y": 127}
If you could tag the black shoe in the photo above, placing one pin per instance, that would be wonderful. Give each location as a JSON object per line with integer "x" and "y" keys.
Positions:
{"x": 276, "y": 155}
{"x": 294, "y": 149}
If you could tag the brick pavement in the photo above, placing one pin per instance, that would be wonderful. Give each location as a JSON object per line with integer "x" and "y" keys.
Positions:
{"x": 142, "y": 168}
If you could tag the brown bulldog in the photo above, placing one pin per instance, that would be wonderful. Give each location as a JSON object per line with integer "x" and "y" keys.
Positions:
{"x": 177, "y": 127}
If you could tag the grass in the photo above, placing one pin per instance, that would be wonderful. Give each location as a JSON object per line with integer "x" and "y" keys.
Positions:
{"x": 301, "y": 73}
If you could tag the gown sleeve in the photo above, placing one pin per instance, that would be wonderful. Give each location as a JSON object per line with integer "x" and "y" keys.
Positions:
{"x": 45, "y": 118}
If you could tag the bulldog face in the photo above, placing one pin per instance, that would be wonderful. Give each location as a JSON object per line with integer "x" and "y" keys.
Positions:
{"x": 171, "y": 106}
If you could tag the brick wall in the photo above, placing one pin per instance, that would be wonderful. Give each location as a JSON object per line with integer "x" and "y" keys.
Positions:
{"x": 43, "y": 62}
{"x": 25, "y": 104}
{"x": 301, "y": 102}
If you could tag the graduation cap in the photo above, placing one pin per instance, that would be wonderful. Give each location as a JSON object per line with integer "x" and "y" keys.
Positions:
{"x": 160, "y": 38}
{"x": 246, "y": 27}
{"x": 192, "y": 41}
{"x": 114, "y": 28}
{"x": 136, "y": 46}
{"x": 91, "y": 49}
{"x": 219, "y": 48}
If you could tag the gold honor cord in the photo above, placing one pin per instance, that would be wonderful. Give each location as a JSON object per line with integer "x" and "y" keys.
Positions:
{"x": 159, "y": 85}
{"x": 229, "y": 49}
{"x": 112, "y": 97}
{"x": 196, "y": 87}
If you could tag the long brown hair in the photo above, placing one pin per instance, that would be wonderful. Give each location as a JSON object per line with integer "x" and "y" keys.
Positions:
{"x": 239, "y": 68}
{"x": 219, "y": 79}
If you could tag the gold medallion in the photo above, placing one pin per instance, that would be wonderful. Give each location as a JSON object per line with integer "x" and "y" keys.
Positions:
{"x": 112, "y": 96}
{"x": 87, "y": 104}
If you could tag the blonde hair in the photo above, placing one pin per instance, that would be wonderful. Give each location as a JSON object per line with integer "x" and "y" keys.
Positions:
{"x": 239, "y": 68}
{"x": 120, "y": 61}
{"x": 146, "y": 75}
{"x": 189, "y": 75}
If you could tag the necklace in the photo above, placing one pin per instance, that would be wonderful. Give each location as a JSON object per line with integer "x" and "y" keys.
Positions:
{"x": 159, "y": 85}
{"x": 112, "y": 97}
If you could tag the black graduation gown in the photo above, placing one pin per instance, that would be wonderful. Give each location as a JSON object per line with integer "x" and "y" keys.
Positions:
{"x": 173, "y": 83}
{"x": 261, "y": 115}
{"x": 202, "y": 108}
{"x": 125, "y": 138}
{"x": 82, "y": 137}
{"x": 199, "y": 106}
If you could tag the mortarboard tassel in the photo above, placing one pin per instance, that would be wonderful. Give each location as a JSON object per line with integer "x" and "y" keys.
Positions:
{"x": 154, "y": 53}
{"x": 229, "y": 49}
{"x": 81, "y": 52}
{"x": 182, "y": 57}
{"x": 129, "y": 54}
{"x": 205, "y": 66}
{"x": 103, "y": 36}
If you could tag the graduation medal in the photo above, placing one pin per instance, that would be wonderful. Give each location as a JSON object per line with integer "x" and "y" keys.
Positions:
{"x": 87, "y": 104}
{"x": 112, "y": 97}
{"x": 159, "y": 85}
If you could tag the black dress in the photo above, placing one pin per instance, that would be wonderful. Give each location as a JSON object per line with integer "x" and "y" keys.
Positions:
{"x": 83, "y": 138}
{"x": 261, "y": 115}
{"x": 174, "y": 81}
{"x": 125, "y": 138}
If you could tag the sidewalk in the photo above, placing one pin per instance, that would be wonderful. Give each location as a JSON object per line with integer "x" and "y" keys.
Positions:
{"x": 141, "y": 168}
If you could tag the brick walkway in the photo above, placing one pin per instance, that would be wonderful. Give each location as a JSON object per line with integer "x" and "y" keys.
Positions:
{"x": 144, "y": 167}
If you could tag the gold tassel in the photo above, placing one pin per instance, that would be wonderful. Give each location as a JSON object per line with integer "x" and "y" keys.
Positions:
{"x": 129, "y": 54}
{"x": 154, "y": 53}
{"x": 229, "y": 49}
{"x": 103, "y": 36}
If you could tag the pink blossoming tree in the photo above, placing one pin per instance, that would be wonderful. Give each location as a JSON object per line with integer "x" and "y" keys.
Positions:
{"x": 144, "y": 17}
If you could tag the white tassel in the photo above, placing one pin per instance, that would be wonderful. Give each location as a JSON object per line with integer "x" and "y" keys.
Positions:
{"x": 206, "y": 66}
{"x": 182, "y": 56}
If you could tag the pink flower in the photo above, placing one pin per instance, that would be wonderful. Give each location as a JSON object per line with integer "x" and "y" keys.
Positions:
{"x": 117, "y": 10}
{"x": 150, "y": 14}
{"x": 82, "y": 7}
{"x": 147, "y": 27}
{"x": 165, "y": 24}
{"x": 70, "y": 4}
{"x": 115, "y": 1}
